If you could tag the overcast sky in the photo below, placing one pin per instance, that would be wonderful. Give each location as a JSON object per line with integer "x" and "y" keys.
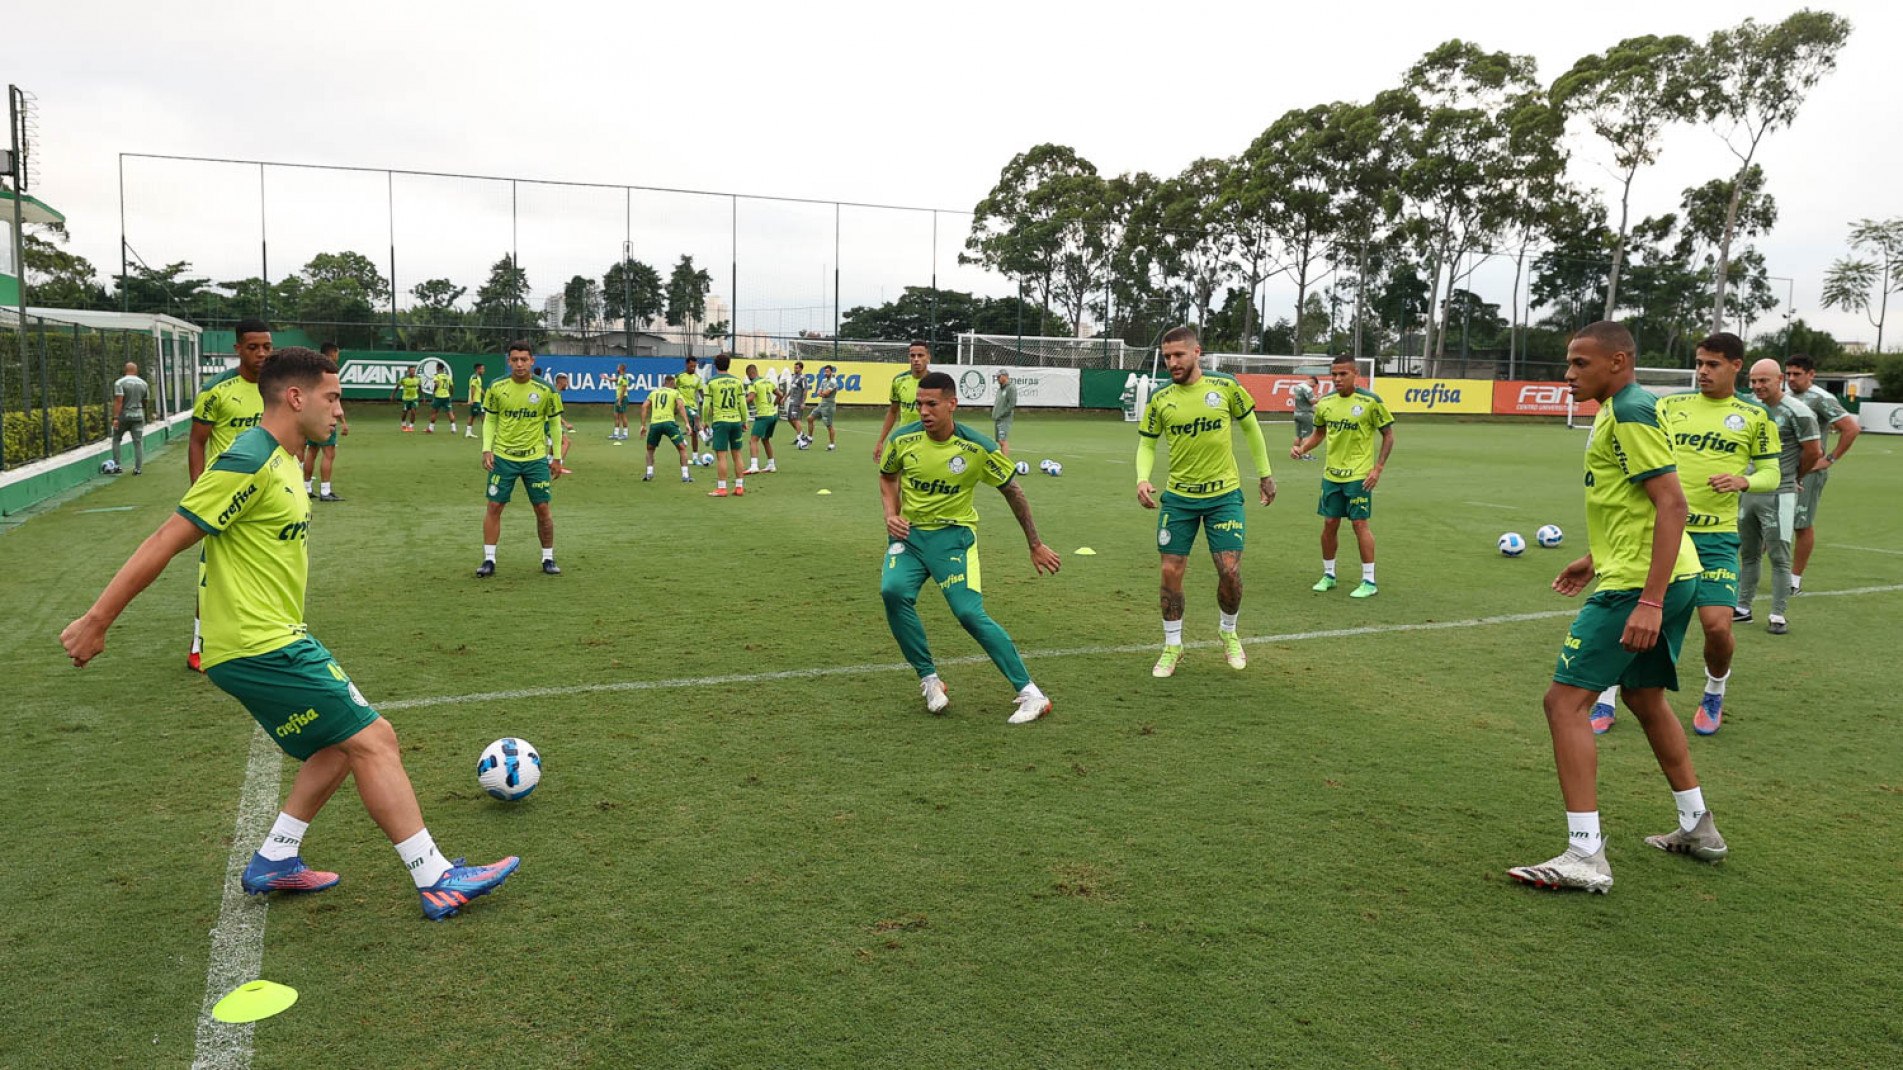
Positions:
{"x": 903, "y": 104}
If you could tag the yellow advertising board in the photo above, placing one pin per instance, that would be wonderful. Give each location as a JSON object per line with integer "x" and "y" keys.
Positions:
{"x": 1436, "y": 395}
{"x": 864, "y": 382}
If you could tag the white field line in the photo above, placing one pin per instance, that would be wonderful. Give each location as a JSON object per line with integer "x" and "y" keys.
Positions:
{"x": 678, "y": 682}
{"x": 1491, "y": 505}
{"x": 237, "y": 941}
{"x": 1865, "y": 549}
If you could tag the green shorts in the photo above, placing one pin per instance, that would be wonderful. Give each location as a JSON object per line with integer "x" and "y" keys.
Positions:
{"x": 534, "y": 475}
{"x": 763, "y": 427}
{"x": 1592, "y": 657}
{"x": 326, "y": 444}
{"x": 621, "y": 405}
{"x": 1178, "y": 517}
{"x": 1718, "y": 556}
{"x": 1810, "y": 491}
{"x": 1304, "y": 424}
{"x": 1002, "y": 425}
{"x": 408, "y": 404}
{"x": 668, "y": 430}
{"x": 1350, "y": 500}
{"x": 439, "y": 404}
{"x": 298, "y": 694}
{"x": 729, "y": 435}
{"x": 824, "y": 414}
{"x": 475, "y": 409}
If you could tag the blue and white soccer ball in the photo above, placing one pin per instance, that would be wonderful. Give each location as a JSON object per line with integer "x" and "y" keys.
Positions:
{"x": 1056, "y": 469}
{"x": 1512, "y": 544}
{"x": 1549, "y": 536}
{"x": 1024, "y": 468}
{"x": 706, "y": 460}
{"x": 509, "y": 769}
{"x": 1045, "y": 465}
{"x": 109, "y": 467}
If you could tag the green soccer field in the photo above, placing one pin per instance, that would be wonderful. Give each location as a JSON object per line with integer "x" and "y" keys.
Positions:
{"x": 752, "y": 848}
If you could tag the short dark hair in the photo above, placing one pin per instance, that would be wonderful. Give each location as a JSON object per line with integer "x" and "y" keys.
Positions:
{"x": 521, "y": 345}
{"x": 292, "y": 365}
{"x": 938, "y": 381}
{"x": 1725, "y": 344}
{"x": 329, "y": 349}
{"x": 1610, "y": 334}
{"x": 753, "y": 369}
{"x": 918, "y": 343}
{"x": 1185, "y": 333}
{"x": 1341, "y": 359}
{"x": 690, "y": 360}
{"x": 245, "y": 327}
{"x": 722, "y": 361}
{"x": 1801, "y": 362}
{"x": 799, "y": 364}
{"x": 479, "y": 365}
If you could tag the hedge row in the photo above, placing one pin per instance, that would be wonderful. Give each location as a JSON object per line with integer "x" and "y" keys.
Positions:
{"x": 24, "y": 433}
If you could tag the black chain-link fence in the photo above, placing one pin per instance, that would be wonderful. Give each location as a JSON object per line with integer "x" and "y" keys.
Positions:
{"x": 56, "y": 382}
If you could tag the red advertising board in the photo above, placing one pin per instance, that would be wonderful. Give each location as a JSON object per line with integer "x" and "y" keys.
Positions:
{"x": 1519, "y": 398}
{"x": 1276, "y": 392}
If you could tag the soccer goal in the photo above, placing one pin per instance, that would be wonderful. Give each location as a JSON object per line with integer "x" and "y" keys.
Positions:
{"x": 1046, "y": 352}
{"x": 828, "y": 350}
{"x": 1658, "y": 381}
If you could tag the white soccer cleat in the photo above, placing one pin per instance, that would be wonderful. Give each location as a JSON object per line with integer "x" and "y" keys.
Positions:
{"x": 934, "y": 691}
{"x": 1590, "y": 873}
{"x": 1232, "y": 651}
{"x": 1030, "y": 708}
{"x": 1166, "y": 665}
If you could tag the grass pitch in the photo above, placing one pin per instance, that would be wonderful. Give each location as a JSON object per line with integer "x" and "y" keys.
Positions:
{"x": 1297, "y": 865}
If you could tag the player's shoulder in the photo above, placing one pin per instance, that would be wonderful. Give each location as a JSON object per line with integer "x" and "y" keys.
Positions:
{"x": 1221, "y": 377}
{"x": 219, "y": 384}
{"x": 1364, "y": 392}
{"x": 247, "y": 453}
{"x": 1798, "y": 408}
{"x": 916, "y": 427}
{"x": 977, "y": 438}
{"x": 1635, "y": 405}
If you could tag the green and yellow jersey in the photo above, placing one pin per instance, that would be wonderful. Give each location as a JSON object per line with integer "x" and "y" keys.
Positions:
{"x": 521, "y": 418}
{"x": 905, "y": 394}
{"x": 726, "y": 399}
{"x": 1626, "y": 448}
{"x": 622, "y": 381}
{"x": 1716, "y": 437}
{"x": 762, "y": 391}
{"x": 475, "y": 389}
{"x": 661, "y": 402}
{"x": 252, "y": 503}
{"x": 1353, "y": 422}
{"x": 230, "y": 405}
{"x": 690, "y": 384}
{"x": 1195, "y": 420}
{"x": 936, "y": 479}
{"x": 443, "y": 384}
{"x": 411, "y": 387}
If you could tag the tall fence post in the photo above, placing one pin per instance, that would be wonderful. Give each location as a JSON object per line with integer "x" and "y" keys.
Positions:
{"x": 79, "y": 390}
{"x": 46, "y": 397}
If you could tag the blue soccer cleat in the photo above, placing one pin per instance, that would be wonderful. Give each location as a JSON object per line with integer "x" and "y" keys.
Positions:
{"x": 1710, "y": 716}
{"x": 461, "y": 884}
{"x": 1602, "y": 717}
{"x": 288, "y": 875}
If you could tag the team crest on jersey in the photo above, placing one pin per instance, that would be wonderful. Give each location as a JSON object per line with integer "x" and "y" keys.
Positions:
{"x": 1163, "y": 537}
{"x": 1356, "y": 410}
{"x": 956, "y": 464}
{"x": 1213, "y": 400}
{"x": 534, "y": 397}
{"x": 1735, "y": 422}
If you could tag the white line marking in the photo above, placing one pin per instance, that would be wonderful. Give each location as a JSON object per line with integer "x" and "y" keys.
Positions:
{"x": 1865, "y": 549}
{"x": 678, "y": 682}
{"x": 1490, "y": 505}
{"x": 237, "y": 941}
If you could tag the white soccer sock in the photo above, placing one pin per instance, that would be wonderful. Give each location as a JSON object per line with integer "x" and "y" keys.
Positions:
{"x": 1715, "y": 685}
{"x": 327, "y": 488}
{"x": 650, "y": 469}
{"x": 720, "y": 484}
{"x": 1797, "y": 581}
{"x": 285, "y": 837}
{"x": 420, "y": 856}
{"x": 548, "y": 553}
{"x": 1582, "y": 831}
{"x": 452, "y": 427}
{"x": 198, "y": 641}
{"x": 1228, "y": 623}
{"x": 738, "y": 482}
{"x": 1778, "y": 618}
{"x": 1030, "y": 690}
{"x": 1691, "y": 807}
{"x": 1172, "y": 633}
{"x": 308, "y": 484}
{"x": 684, "y": 474}
{"x": 1367, "y": 573}
{"x": 1328, "y": 566}
{"x": 1610, "y": 697}
{"x": 488, "y": 551}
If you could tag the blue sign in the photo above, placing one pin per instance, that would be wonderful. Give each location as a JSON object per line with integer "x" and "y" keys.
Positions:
{"x": 592, "y": 379}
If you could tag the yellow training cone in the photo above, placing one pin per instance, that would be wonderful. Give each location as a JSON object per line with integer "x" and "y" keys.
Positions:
{"x": 254, "y": 1000}
{"x": 825, "y": 492}
{"x": 1085, "y": 551}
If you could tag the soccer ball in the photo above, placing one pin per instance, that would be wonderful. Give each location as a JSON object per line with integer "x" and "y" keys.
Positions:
{"x": 1024, "y": 468}
{"x": 1055, "y": 469}
{"x": 1512, "y": 544}
{"x": 1045, "y": 464}
{"x": 1550, "y": 536}
{"x": 802, "y": 442}
{"x": 109, "y": 468}
{"x": 509, "y": 769}
{"x": 706, "y": 460}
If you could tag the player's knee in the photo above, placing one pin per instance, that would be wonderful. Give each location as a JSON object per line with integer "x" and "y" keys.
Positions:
{"x": 972, "y": 617}
{"x": 897, "y": 597}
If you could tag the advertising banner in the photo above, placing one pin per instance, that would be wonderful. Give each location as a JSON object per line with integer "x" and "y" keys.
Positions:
{"x": 1882, "y": 417}
{"x": 1275, "y": 392}
{"x": 1037, "y": 387}
{"x": 1521, "y": 398}
{"x": 1438, "y": 395}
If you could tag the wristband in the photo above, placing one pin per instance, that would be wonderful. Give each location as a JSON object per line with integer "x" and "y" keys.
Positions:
{"x": 1655, "y": 605}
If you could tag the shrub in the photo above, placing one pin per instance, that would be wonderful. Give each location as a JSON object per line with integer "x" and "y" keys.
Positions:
{"x": 25, "y": 438}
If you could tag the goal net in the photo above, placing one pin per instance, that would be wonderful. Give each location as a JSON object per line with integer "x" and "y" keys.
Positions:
{"x": 1658, "y": 381}
{"x": 828, "y": 350}
{"x": 1046, "y": 352}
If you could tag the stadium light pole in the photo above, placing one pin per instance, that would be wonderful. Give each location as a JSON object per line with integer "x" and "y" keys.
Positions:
{"x": 389, "y": 186}
{"x": 264, "y": 249}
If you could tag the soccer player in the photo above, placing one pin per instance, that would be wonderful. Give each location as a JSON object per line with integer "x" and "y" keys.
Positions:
{"x": 1765, "y": 521}
{"x": 766, "y": 414}
{"x": 1306, "y": 394}
{"x": 623, "y": 381}
{"x": 1630, "y": 630}
{"x": 926, "y": 480}
{"x": 410, "y": 388}
{"x": 1722, "y": 445}
{"x": 1800, "y": 372}
{"x": 904, "y": 396}
{"x": 691, "y": 385}
{"x": 476, "y": 389}
{"x": 1201, "y": 487}
{"x": 1350, "y": 418}
{"x": 568, "y": 437}
{"x": 727, "y": 412}
{"x": 1004, "y": 409}
{"x": 826, "y": 390}
{"x": 796, "y": 391}
{"x": 225, "y": 408}
{"x": 259, "y": 650}
{"x": 327, "y": 449}
{"x": 441, "y": 389}
{"x": 128, "y": 416}
{"x": 663, "y": 415}
{"x": 523, "y": 414}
